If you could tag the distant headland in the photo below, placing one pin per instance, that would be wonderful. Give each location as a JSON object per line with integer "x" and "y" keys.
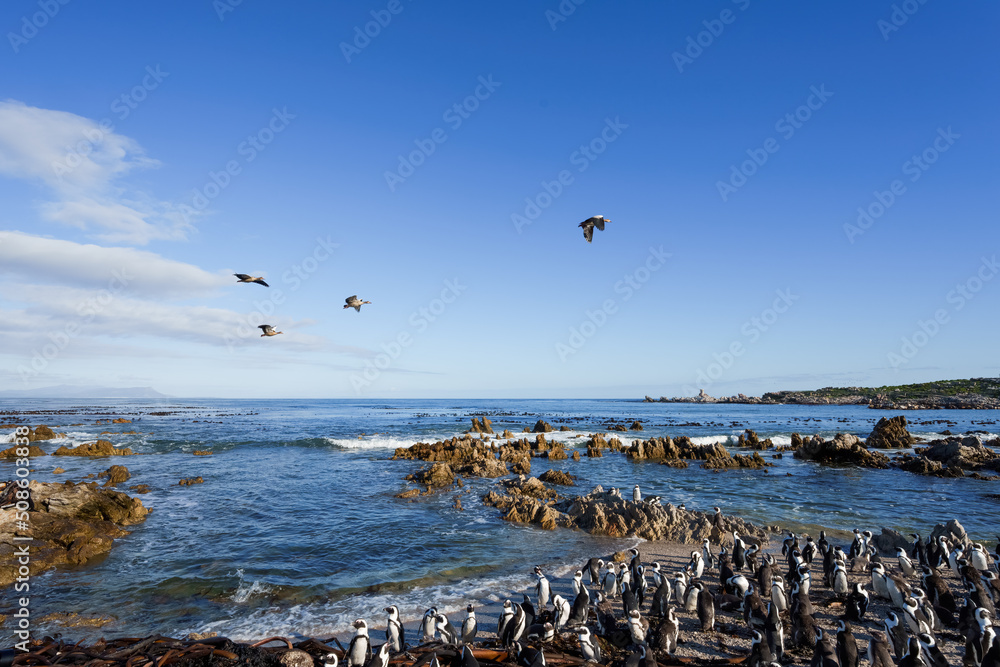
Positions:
{"x": 972, "y": 394}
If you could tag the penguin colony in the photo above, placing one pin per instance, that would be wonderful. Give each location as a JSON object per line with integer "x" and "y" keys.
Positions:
{"x": 934, "y": 594}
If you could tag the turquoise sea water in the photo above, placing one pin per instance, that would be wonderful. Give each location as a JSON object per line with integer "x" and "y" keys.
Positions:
{"x": 296, "y": 528}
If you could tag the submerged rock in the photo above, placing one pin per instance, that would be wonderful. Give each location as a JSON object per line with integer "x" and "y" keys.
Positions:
{"x": 11, "y": 452}
{"x": 890, "y": 433}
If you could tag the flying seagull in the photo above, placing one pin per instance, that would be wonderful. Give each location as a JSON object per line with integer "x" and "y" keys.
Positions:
{"x": 354, "y": 302}
{"x": 268, "y": 330}
{"x": 244, "y": 278}
{"x": 589, "y": 224}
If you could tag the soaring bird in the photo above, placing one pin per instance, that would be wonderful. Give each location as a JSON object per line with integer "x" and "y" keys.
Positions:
{"x": 268, "y": 330}
{"x": 589, "y": 224}
{"x": 244, "y": 278}
{"x": 354, "y": 302}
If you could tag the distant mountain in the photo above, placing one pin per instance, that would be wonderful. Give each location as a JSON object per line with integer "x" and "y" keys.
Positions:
{"x": 73, "y": 391}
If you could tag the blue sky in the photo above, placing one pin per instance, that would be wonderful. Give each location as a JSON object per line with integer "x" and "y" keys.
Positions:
{"x": 439, "y": 166}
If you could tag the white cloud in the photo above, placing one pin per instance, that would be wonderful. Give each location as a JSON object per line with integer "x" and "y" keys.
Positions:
{"x": 82, "y": 164}
{"x": 85, "y": 265}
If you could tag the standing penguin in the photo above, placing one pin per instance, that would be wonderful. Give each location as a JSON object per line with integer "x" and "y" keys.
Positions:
{"x": 764, "y": 574}
{"x": 609, "y": 583}
{"x": 857, "y": 604}
{"x": 581, "y": 607}
{"x": 542, "y": 589}
{"x": 636, "y": 628}
{"x": 824, "y": 652}
{"x": 778, "y": 596}
{"x": 706, "y": 608}
{"x": 577, "y": 582}
{"x": 697, "y": 565}
{"x": 561, "y": 612}
{"x": 668, "y": 632}
{"x": 878, "y": 651}
{"x": 636, "y": 494}
{"x": 896, "y": 633}
{"x": 359, "y": 651}
{"x": 932, "y": 655}
{"x": 706, "y": 553}
{"x": 847, "y": 645}
{"x": 395, "y": 635}
{"x": 760, "y": 653}
{"x": 449, "y": 635}
{"x": 774, "y": 632}
{"x": 515, "y": 627}
{"x": 840, "y": 585}
{"x": 661, "y": 599}
{"x": 594, "y": 566}
{"x": 469, "y": 625}
{"x": 589, "y": 648}
{"x": 427, "y": 625}
{"x": 506, "y": 615}
{"x": 739, "y": 552}
{"x": 905, "y": 564}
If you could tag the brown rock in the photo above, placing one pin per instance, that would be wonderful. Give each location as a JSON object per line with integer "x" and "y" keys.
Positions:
{"x": 844, "y": 448}
{"x": 565, "y": 428}
{"x": 576, "y": 455}
{"x": 58, "y": 471}
{"x": 99, "y": 448}
{"x": 636, "y": 426}
{"x": 557, "y": 477}
{"x": 557, "y": 453}
{"x": 202, "y": 452}
{"x": 116, "y": 475}
{"x": 890, "y": 432}
{"x": 749, "y": 439}
{"x": 11, "y": 452}
{"x": 410, "y": 493}
{"x": 542, "y": 427}
{"x": 506, "y": 434}
{"x": 41, "y": 432}
{"x": 521, "y": 465}
{"x": 188, "y": 481}
{"x": 140, "y": 488}
{"x": 438, "y": 475}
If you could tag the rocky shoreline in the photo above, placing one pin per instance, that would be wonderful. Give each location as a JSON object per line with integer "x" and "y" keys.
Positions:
{"x": 974, "y": 394}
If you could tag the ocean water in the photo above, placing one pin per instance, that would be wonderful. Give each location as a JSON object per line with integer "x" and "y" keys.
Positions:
{"x": 296, "y": 528}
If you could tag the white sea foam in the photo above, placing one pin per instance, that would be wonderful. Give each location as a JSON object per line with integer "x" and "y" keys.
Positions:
{"x": 712, "y": 439}
{"x": 383, "y": 441}
{"x": 244, "y": 592}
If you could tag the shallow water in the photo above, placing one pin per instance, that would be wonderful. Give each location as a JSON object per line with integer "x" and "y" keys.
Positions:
{"x": 296, "y": 529}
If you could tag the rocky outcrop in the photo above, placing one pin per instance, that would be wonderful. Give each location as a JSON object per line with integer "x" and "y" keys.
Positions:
{"x": 436, "y": 476}
{"x": 889, "y": 540}
{"x": 968, "y": 453}
{"x": 189, "y": 481}
{"x": 844, "y": 448}
{"x": 463, "y": 449}
{"x": 542, "y": 427}
{"x": 484, "y": 426}
{"x": 676, "y": 452}
{"x": 890, "y": 433}
{"x": 922, "y": 465}
{"x": 99, "y": 448}
{"x": 70, "y": 524}
{"x": 116, "y": 475}
{"x": 749, "y": 439}
{"x": 636, "y": 426}
{"x": 557, "y": 453}
{"x": 557, "y": 477}
{"x": 748, "y": 461}
{"x": 600, "y": 513}
{"x": 43, "y": 432}
{"x": 11, "y": 452}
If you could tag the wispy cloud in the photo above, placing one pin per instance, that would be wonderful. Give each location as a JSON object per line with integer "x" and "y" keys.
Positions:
{"x": 81, "y": 163}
